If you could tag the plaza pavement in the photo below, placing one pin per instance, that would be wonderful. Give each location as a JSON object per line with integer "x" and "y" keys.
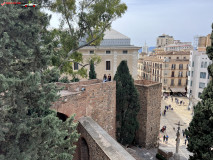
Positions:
{"x": 179, "y": 113}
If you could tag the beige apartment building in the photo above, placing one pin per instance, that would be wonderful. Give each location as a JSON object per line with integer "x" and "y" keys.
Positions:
{"x": 114, "y": 48}
{"x": 203, "y": 42}
{"x": 168, "y": 68}
{"x": 164, "y": 40}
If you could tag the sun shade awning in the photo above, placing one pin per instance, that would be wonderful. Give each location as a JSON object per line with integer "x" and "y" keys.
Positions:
{"x": 178, "y": 89}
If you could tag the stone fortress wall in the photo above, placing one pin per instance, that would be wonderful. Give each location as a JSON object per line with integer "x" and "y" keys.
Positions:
{"x": 94, "y": 105}
{"x": 149, "y": 114}
{"x": 91, "y": 98}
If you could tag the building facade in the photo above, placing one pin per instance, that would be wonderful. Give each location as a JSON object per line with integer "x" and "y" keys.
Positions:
{"x": 179, "y": 46}
{"x": 114, "y": 48}
{"x": 203, "y": 42}
{"x": 164, "y": 40}
{"x": 198, "y": 76}
{"x": 168, "y": 68}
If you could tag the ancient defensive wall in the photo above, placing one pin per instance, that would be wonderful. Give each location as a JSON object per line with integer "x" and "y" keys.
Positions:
{"x": 149, "y": 114}
{"x": 91, "y": 98}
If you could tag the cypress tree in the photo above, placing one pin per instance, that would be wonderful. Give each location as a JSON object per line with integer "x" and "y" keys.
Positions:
{"x": 127, "y": 105}
{"x": 92, "y": 74}
{"x": 200, "y": 130}
{"x": 29, "y": 129}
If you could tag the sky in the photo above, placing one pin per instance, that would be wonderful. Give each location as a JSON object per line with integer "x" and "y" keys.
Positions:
{"x": 145, "y": 20}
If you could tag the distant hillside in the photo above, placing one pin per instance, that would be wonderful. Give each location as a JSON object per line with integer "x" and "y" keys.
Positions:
{"x": 151, "y": 48}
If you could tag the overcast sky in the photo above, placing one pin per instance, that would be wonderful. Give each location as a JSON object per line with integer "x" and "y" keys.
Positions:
{"x": 145, "y": 20}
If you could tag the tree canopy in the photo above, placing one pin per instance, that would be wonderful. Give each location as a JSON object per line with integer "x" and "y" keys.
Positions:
{"x": 29, "y": 129}
{"x": 83, "y": 23}
{"x": 127, "y": 105}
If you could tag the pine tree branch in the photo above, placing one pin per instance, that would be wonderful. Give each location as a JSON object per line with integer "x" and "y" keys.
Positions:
{"x": 88, "y": 43}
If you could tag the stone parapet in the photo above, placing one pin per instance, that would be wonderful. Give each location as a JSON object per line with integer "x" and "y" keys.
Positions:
{"x": 96, "y": 144}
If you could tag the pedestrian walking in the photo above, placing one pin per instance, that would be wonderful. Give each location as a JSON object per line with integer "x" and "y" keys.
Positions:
{"x": 185, "y": 141}
{"x": 180, "y": 102}
{"x": 104, "y": 78}
{"x": 167, "y": 138}
{"x": 183, "y": 103}
{"x": 183, "y": 133}
{"x": 164, "y": 137}
{"x": 164, "y": 113}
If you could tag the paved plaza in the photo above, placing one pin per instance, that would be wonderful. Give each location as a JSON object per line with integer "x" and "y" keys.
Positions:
{"x": 172, "y": 117}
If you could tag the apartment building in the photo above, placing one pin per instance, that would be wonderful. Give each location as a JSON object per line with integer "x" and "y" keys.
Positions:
{"x": 164, "y": 40}
{"x": 198, "y": 76}
{"x": 168, "y": 68}
{"x": 179, "y": 46}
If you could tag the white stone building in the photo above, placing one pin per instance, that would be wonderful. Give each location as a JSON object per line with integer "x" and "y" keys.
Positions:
{"x": 114, "y": 48}
{"x": 198, "y": 76}
{"x": 179, "y": 46}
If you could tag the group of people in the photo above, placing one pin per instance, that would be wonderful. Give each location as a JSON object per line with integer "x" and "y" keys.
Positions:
{"x": 177, "y": 101}
{"x": 165, "y": 138}
{"x": 106, "y": 79}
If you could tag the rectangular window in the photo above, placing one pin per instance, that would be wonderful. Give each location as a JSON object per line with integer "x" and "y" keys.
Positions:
{"x": 108, "y": 52}
{"x": 201, "y": 85}
{"x": 205, "y": 65}
{"x": 172, "y": 82}
{"x": 173, "y": 66}
{"x": 193, "y": 64}
{"x": 107, "y": 65}
{"x": 189, "y": 73}
{"x": 202, "y": 64}
{"x": 190, "y": 91}
{"x": 180, "y": 66}
{"x": 192, "y": 73}
{"x": 180, "y": 74}
{"x": 173, "y": 74}
{"x": 75, "y": 66}
{"x": 186, "y": 82}
{"x": 203, "y": 75}
{"x": 179, "y": 82}
{"x": 125, "y": 51}
{"x": 165, "y": 81}
{"x": 199, "y": 94}
{"x": 191, "y": 83}
{"x": 91, "y": 51}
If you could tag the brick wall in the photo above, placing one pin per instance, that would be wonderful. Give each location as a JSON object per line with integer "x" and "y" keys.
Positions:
{"x": 97, "y": 101}
{"x": 149, "y": 114}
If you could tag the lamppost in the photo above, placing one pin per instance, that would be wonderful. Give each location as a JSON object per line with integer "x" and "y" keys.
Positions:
{"x": 176, "y": 155}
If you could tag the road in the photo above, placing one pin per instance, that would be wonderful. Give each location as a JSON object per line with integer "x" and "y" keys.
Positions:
{"x": 172, "y": 117}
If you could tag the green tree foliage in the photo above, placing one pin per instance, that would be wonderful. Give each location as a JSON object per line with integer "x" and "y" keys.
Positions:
{"x": 127, "y": 105}
{"x": 92, "y": 74}
{"x": 29, "y": 129}
{"x": 86, "y": 22}
{"x": 200, "y": 130}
